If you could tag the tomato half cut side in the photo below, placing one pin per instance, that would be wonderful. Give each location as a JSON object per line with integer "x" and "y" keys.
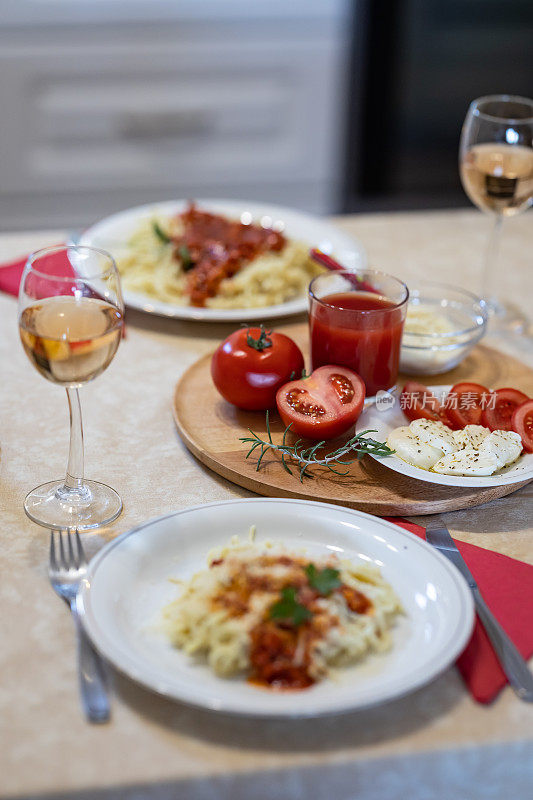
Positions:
{"x": 497, "y": 414}
{"x": 522, "y": 422}
{"x": 465, "y": 403}
{"x": 324, "y": 405}
{"x": 418, "y": 402}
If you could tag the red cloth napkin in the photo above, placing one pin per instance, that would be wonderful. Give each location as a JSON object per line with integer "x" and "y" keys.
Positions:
{"x": 507, "y": 586}
{"x": 10, "y": 275}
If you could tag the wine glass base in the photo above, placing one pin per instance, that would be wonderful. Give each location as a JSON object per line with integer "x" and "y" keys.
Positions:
{"x": 48, "y": 505}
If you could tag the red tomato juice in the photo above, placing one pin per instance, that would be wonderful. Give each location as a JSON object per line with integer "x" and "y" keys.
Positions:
{"x": 366, "y": 340}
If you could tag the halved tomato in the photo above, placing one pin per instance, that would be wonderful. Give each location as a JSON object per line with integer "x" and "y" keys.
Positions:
{"x": 324, "y": 405}
{"x": 522, "y": 422}
{"x": 465, "y": 403}
{"x": 417, "y": 401}
{"x": 499, "y": 409}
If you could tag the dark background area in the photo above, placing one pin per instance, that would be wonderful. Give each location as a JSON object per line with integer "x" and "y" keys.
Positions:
{"x": 423, "y": 61}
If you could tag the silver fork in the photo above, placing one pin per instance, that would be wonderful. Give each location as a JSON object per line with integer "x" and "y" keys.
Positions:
{"x": 67, "y": 568}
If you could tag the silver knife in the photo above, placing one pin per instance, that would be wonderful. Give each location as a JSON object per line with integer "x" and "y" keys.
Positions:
{"x": 512, "y": 663}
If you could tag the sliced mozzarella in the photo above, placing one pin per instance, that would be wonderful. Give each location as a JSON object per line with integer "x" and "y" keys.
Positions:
{"x": 409, "y": 448}
{"x": 467, "y": 462}
{"x": 505, "y": 446}
{"x": 471, "y": 436}
{"x": 434, "y": 433}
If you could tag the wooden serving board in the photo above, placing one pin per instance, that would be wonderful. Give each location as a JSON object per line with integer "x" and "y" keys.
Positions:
{"x": 211, "y": 427}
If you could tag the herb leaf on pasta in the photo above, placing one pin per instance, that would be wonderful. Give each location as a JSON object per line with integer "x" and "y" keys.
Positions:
{"x": 288, "y": 608}
{"x": 323, "y": 580}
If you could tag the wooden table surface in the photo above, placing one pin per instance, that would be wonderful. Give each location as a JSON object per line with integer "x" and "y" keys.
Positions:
{"x": 436, "y": 743}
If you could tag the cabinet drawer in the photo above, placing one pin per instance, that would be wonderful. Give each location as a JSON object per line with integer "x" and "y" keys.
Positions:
{"x": 113, "y": 116}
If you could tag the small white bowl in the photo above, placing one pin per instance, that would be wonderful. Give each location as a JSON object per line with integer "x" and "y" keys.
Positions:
{"x": 435, "y": 353}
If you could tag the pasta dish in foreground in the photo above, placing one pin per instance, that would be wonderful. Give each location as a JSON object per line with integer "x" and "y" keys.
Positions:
{"x": 197, "y": 258}
{"x": 280, "y": 619}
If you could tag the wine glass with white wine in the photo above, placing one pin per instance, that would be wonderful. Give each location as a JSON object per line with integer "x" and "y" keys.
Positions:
{"x": 496, "y": 166}
{"x": 71, "y": 316}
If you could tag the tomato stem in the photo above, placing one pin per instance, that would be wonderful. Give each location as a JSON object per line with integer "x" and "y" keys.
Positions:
{"x": 262, "y": 342}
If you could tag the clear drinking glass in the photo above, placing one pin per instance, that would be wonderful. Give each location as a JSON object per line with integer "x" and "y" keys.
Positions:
{"x": 71, "y": 316}
{"x": 496, "y": 166}
{"x": 356, "y": 320}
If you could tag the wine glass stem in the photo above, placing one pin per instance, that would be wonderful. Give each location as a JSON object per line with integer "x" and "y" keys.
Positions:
{"x": 490, "y": 277}
{"x": 74, "y": 479}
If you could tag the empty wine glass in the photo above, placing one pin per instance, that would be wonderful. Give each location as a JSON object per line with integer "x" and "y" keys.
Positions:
{"x": 496, "y": 166}
{"x": 70, "y": 321}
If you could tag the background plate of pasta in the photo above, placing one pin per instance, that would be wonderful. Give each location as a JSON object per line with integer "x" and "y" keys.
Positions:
{"x": 275, "y": 608}
{"x": 218, "y": 260}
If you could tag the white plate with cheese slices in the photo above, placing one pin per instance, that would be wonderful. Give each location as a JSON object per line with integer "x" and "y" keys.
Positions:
{"x": 384, "y": 418}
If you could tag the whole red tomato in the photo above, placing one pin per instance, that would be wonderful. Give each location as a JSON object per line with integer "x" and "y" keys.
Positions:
{"x": 249, "y": 367}
{"x": 324, "y": 405}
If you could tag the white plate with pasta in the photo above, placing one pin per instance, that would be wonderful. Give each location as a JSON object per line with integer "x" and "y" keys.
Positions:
{"x": 157, "y": 275}
{"x": 135, "y": 579}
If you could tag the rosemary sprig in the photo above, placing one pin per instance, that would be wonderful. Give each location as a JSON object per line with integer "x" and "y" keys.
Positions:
{"x": 308, "y": 456}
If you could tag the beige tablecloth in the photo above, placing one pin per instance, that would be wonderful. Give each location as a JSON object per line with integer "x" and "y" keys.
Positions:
{"x": 436, "y": 743}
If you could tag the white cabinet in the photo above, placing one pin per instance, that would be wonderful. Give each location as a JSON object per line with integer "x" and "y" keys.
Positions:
{"x": 98, "y": 116}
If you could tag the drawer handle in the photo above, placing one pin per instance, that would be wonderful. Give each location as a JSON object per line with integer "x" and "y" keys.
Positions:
{"x": 160, "y": 124}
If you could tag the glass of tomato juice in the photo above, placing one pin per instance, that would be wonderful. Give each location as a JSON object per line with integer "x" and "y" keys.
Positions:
{"x": 356, "y": 320}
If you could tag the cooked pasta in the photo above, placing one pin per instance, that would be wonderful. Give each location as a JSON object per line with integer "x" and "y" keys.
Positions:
{"x": 282, "y": 620}
{"x": 153, "y": 267}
